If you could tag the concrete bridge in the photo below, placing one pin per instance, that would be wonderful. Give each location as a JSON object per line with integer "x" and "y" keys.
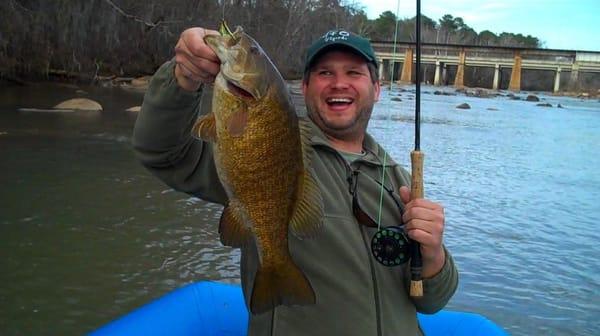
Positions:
{"x": 572, "y": 70}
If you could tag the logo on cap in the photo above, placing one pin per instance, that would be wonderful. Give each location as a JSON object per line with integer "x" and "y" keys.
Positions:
{"x": 336, "y": 35}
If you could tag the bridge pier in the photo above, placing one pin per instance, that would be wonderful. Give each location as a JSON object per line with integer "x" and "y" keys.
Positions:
{"x": 459, "y": 80}
{"x": 438, "y": 73}
{"x": 573, "y": 84}
{"x": 496, "y": 82}
{"x": 406, "y": 77}
{"x": 557, "y": 80}
{"x": 515, "y": 76}
{"x": 445, "y": 73}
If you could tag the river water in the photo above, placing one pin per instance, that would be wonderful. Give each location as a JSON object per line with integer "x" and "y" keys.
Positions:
{"x": 86, "y": 234}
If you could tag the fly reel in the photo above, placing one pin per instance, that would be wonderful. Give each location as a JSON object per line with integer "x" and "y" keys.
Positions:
{"x": 390, "y": 246}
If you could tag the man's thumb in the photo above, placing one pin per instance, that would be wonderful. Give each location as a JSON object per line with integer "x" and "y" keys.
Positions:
{"x": 405, "y": 194}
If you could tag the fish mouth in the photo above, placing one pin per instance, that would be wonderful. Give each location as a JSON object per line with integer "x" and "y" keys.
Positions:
{"x": 237, "y": 90}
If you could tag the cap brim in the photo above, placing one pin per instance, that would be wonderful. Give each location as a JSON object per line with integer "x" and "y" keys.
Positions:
{"x": 324, "y": 48}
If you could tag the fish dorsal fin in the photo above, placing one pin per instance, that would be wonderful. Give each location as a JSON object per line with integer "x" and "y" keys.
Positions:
{"x": 205, "y": 128}
{"x": 308, "y": 213}
{"x": 234, "y": 226}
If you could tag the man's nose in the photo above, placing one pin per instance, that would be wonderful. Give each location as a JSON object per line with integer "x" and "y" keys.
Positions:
{"x": 340, "y": 82}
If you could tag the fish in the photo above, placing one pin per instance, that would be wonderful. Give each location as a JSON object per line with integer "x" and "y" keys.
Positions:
{"x": 262, "y": 157}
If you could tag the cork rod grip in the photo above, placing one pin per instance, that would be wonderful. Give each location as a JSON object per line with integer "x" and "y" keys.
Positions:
{"x": 416, "y": 191}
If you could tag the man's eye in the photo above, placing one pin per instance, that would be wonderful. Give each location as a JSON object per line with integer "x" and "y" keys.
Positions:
{"x": 324, "y": 73}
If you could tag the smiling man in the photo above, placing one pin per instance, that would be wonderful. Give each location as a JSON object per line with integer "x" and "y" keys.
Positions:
{"x": 355, "y": 293}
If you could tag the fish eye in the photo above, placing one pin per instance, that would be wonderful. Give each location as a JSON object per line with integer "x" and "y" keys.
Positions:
{"x": 254, "y": 50}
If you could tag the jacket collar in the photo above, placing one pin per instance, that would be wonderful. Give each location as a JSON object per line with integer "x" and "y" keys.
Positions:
{"x": 375, "y": 153}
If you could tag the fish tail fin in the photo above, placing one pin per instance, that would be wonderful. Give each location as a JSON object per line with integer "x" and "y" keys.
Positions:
{"x": 283, "y": 284}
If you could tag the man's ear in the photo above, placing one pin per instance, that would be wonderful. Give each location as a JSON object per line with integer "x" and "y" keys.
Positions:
{"x": 377, "y": 87}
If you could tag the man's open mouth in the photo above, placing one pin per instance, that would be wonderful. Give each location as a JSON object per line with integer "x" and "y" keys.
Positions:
{"x": 339, "y": 101}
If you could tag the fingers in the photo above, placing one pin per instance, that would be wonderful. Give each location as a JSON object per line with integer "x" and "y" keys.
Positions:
{"x": 196, "y": 61}
{"x": 423, "y": 220}
{"x": 405, "y": 194}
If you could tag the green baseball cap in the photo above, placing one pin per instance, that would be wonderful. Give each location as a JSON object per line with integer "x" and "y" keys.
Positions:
{"x": 336, "y": 38}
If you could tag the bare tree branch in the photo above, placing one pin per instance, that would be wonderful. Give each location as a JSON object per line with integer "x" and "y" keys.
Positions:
{"x": 138, "y": 19}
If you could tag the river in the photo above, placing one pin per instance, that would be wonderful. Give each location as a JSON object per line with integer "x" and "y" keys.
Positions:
{"x": 86, "y": 234}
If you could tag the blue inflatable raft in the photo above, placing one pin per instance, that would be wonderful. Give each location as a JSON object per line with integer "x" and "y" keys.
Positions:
{"x": 216, "y": 309}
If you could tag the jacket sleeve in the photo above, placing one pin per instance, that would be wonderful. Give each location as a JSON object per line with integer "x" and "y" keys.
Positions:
{"x": 438, "y": 289}
{"x": 163, "y": 143}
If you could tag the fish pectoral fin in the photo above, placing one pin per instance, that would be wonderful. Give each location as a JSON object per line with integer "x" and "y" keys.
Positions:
{"x": 205, "y": 128}
{"x": 236, "y": 125}
{"x": 233, "y": 229}
{"x": 281, "y": 284}
{"x": 307, "y": 219}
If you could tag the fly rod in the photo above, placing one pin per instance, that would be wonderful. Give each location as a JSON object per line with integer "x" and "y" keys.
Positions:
{"x": 416, "y": 158}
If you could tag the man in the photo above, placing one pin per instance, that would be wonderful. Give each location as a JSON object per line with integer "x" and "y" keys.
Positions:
{"x": 355, "y": 294}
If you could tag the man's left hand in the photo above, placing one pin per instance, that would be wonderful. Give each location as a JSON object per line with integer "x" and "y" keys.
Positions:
{"x": 424, "y": 223}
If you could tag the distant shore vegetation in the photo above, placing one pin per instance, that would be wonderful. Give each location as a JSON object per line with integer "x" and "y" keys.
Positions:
{"x": 86, "y": 40}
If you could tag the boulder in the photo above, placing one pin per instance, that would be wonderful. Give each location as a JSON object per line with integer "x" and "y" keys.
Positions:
{"x": 532, "y": 98}
{"x": 396, "y": 99}
{"x": 82, "y": 104}
{"x": 463, "y": 106}
{"x": 480, "y": 93}
{"x": 141, "y": 82}
{"x": 544, "y": 104}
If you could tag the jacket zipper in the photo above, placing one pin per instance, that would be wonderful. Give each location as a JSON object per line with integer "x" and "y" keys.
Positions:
{"x": 350, "y": 170}
{"x": 375, "y": 287}
{"x": 368, "y": 251}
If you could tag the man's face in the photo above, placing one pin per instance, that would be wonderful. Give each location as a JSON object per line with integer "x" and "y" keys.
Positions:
{"x": 340, "y": 94}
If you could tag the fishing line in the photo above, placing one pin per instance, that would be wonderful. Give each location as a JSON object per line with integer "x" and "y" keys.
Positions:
{"x": 388, "y": 117}
{"x": 389, "y": 245}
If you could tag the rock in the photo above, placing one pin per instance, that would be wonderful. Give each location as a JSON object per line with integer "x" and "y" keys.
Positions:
{"x": 396, "y": 99}
{"x": 544, "y": 104}
{"x": 480, "y": 93}
{"x": 141, "y": 82}
{"x": 532, "y": 98}
{"x": 559, "y": 106}
{"x": 82, "y": 104}
{"x": 463, "y": 106}
{"x": 492, "y": 109}
{"x": 515, "y": 97}
{"x": 134, "y": 109}
{"x": 443, "y": 93}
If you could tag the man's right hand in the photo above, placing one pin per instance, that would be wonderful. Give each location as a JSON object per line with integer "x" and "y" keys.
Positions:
{"x": 197, "y": 63}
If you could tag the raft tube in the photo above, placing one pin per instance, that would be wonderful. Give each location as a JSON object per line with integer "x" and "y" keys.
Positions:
{"x": 217, "y": 309}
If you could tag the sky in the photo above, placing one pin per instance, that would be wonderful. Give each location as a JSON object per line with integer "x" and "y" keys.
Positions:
{"x": 559, "y": 24}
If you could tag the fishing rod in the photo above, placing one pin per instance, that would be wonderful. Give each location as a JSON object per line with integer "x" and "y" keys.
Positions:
{"x": 390, "y": 246}
{"x": 416, "y": 158}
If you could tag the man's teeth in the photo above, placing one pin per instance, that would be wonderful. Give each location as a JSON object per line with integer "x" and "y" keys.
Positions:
{"x": 339, "y": 100}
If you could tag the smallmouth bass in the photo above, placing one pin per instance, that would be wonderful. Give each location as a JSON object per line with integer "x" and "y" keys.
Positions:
{"x": 262, "y": 158}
